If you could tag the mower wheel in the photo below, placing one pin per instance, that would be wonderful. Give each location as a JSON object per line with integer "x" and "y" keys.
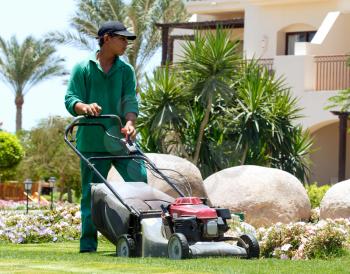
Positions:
{"x": 125, "y": 246}
{"x": 252, "y": 245}
{"x": 178, "y": 247}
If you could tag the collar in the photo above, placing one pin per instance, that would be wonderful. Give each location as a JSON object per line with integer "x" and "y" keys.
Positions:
{"x": 117, "y": 62}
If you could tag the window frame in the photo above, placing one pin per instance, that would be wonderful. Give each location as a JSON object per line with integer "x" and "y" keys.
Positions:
{"x": 288, "y": 34}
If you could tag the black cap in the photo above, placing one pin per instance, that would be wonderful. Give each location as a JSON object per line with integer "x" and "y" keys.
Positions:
{"x": 115, "y": 27}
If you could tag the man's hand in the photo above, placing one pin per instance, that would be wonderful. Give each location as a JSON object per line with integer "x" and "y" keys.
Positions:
{"x": 130, "y": 125}
{"x": 92, "y": 109}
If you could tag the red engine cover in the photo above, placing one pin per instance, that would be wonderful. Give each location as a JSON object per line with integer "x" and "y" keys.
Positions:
{"x": 191, "y": 206}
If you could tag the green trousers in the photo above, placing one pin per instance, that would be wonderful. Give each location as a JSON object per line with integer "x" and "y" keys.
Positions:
{"x": 130, "y": 170}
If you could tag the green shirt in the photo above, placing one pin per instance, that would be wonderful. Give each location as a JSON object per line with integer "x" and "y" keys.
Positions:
{"x": 113, "y": 91}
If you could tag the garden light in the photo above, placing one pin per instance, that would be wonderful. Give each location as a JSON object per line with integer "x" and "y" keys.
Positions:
{"x": 52, "y": 181}
{"x": 28, "y": 187}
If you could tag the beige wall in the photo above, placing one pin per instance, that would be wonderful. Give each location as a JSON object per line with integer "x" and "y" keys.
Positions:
{"x": 299, "y": 73}
{"x": 336, "y": 41}
{"x": 325, "y": 155}
{"x": 272, "y": 22}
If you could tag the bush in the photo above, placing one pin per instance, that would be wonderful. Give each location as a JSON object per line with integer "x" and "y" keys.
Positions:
{"x": 11, "y": 153}
{"x": 316, "y": 193}
{"x": 48, "y": 155}
{"x": 328, "y": 242}
{"x": 305, "y": 240}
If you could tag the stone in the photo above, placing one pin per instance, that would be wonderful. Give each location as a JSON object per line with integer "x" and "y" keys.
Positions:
{"x": 336, "y": 202}
{"x": 188, "y": 175}
{"x": 265, "y": 195}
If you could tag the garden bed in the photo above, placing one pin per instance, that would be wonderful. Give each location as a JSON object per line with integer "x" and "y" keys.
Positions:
{"x": 321, "y": 239}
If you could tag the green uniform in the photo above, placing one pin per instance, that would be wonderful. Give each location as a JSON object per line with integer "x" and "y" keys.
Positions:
{"x": 115, "y": 93}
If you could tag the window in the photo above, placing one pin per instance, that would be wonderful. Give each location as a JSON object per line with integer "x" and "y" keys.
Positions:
{"x": 292, "y": 37}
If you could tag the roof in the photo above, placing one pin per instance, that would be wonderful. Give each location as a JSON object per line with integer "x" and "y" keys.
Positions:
{"x": 233, "y": 23}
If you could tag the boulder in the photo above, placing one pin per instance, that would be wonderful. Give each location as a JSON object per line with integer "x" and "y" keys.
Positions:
{"x": 336, "y": 202}
{"x": 183, "y": 172}
{"x": 265, "y": 195}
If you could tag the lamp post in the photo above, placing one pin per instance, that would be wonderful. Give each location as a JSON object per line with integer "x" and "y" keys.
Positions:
{"x": 28, "y": 187}
{"x": 52, "y": 181}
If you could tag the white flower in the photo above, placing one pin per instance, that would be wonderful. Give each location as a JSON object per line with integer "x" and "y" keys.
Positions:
{"x": 286, "y": 247}
{"x": 77, "y": 215}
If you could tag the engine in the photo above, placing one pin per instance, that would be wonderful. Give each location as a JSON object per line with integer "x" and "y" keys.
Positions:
{"x": 196, "y": 220}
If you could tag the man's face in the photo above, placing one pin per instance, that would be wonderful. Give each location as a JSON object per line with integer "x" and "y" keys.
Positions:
{"x": 117, "y": 44}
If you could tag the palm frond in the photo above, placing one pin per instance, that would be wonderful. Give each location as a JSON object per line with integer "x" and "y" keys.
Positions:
{"x": 139, "y": 16}
{"x": 340, "y": 101}
{"x": 78, "y": 40}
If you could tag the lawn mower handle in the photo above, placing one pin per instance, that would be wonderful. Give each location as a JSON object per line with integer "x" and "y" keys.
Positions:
{"x": 83, "y": 121}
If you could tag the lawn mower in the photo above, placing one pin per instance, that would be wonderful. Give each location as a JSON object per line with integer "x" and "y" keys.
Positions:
{"x": 143, "y": 221}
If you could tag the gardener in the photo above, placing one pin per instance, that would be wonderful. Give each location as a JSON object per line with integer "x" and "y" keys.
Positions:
{"x": 104, "y": 84}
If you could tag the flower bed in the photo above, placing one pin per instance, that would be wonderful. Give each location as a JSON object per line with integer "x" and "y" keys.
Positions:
{"x": 300, "y": 240}
{"x": 22, "y": 205}
{"x": 63, "y": 223}
{"x": 322, "y": 239}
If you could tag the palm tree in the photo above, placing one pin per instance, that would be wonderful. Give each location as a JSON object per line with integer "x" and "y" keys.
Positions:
{"x": 209, "y": 63}
{"x": 340, "y": 101}
{"x": 22, "y": 66}
{"x": 139, "y": 15}
{"x": 183, "y": 105}
{"x": 263, "y": 122}
{"x": 164, "y": 107}
{"x": 223, "y": 111}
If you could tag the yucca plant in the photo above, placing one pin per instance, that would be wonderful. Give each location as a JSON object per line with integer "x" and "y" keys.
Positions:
{"x": 208, "y": 66}
{"x": 163, "y": 108}
{"x": 22, "y": 66}
{"x": 263, "y": 122}
{"x": 223, "y": 111}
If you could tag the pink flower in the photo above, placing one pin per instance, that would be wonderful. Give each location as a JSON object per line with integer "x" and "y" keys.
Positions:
{"x": 284, "y": 257}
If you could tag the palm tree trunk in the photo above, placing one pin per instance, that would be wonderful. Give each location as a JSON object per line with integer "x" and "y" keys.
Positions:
{"x": 201, "y": 131}
{"x": 245, "y": 152}
{"x": 69, "y": 194}
{"x": 19, "y": 100}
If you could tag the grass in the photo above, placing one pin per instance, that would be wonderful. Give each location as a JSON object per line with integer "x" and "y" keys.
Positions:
{"x": 64, "y": 258}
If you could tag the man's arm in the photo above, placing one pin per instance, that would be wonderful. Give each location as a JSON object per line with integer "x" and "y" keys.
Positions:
{"x": 130, "y": 107}
{"x": 76, "y": 92}
{"x": 130, "y": 124}
{"x": 87, "y": 109}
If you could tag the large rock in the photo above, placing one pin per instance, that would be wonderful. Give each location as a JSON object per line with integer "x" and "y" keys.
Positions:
{"x": 264, "y": 195}
{"x": 336, "y": 202}
{"x": 188, "y": 175}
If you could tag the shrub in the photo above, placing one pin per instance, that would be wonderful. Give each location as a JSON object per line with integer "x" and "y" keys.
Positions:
{"x": 11, "y": 153}
{"x": 305, "y": 240}
{"x": 315, "y": 215}
{"x": 316, "y": 193}
{"x": 327, "y": 242}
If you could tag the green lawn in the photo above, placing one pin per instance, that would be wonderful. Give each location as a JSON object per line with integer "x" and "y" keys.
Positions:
{"x": 64, "y": 258}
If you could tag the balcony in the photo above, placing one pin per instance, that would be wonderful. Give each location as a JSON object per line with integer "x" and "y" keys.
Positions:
{"x": 330, "y": 72}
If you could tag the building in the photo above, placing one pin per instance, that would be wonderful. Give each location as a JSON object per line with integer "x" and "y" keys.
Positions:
{"x": 305, "y": 41}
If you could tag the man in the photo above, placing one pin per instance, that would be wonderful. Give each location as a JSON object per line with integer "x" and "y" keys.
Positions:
{"x": 104, "y": 84}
